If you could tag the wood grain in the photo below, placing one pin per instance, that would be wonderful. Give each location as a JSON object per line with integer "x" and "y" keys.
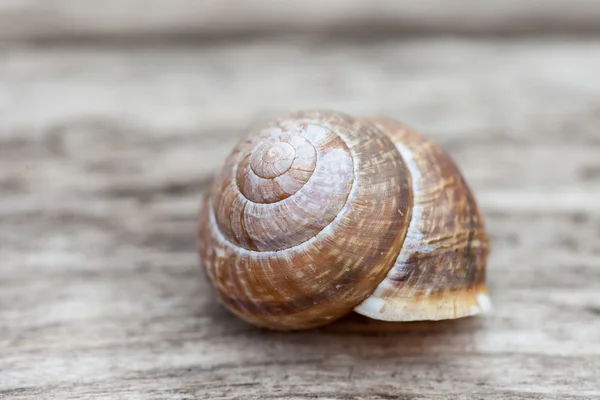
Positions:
{"x": 104, "y": 153}
{"x": 144, "y": 20}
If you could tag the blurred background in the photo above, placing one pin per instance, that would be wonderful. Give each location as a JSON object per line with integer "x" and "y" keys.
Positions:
{"x": 115, "y": 114}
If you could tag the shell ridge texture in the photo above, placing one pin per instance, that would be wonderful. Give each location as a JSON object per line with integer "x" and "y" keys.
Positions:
{"x": 324, "y": 231}
{"x": 319, "y": 213}
{"x": 439, "y": 272}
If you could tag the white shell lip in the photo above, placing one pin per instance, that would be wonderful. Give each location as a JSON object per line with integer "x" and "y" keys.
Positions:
{"x": 485, "y": 303}
{"x": 423, "y": 308}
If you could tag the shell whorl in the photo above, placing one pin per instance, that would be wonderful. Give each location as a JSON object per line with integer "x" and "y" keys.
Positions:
{"x": 440, "y": 271}
{"x": 305, "y": 219}
{"x": 276, "y": 168}
{"x": 281, "y": 196}
{"x": 320, "y": 213}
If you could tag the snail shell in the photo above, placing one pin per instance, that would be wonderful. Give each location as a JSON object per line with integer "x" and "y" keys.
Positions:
{"x": 321, "y": 213}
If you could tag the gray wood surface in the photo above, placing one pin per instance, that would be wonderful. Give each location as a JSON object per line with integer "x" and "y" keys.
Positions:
{"x": 104, "y": 153}
{"x": 44, "y": 20}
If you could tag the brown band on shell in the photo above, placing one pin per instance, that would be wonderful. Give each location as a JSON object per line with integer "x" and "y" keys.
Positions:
{"x": 440, "y": 272}
{"x": 308, "y": 255}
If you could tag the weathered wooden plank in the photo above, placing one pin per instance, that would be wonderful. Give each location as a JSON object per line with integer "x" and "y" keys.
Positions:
{"x": 144, "y": 19}
{"x": 174, "y": 107}
{"x": 486, "y": 90}
{"x": 104, "y": 154}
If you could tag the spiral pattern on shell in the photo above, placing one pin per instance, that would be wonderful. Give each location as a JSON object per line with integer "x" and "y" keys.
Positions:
{"x": 320, "y": 213}
{"x": 305, "y": 219}
{"x": 273, "y": 177}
